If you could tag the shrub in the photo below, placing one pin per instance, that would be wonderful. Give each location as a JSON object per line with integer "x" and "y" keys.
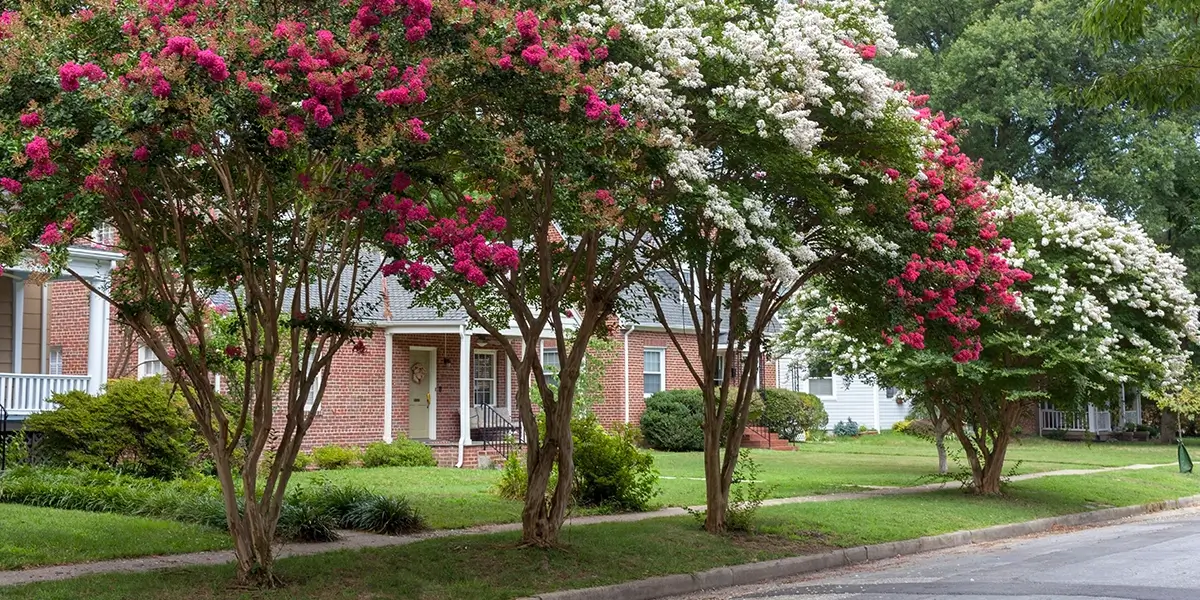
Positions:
{"x": 303, "y": 460}
{"x": 136, "y": 426}
{"x": 847, "y": 428}
{"x": 401, "y": 453}
{"x": 746, "y": 495}
{"x": 389, "y": 515}
{"x": 335, "y": 457}
{"x": 610, "y": 471}
{"x": 790, "y": 414}
{"x": 902, "y": 426}
{"x": 513, "y": 479}
{"x": 306, "y": 521}
{"x": 672, "y": 421}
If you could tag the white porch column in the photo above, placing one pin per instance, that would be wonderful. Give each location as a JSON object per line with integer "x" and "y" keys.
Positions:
{"x": 97, "y": 367}
{"x": 464, "y": 384}
{"x": 387, "y": 387}
{"x": 875, "y": 397}
{"x": 18, "y": 332}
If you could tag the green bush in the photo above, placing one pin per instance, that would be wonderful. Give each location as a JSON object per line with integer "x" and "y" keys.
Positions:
{"x": 135, "y": 426}
{"x": 389, "y": 515}
{"x": 672, "y": 421}
{"x": 335, "y": 457}
{"x": 305, "y": 521}
{"x": 303, "y": 460}
{"x": 847, "y": 428}
{"x": 513, "y": 478}
{"x": 902, "y": 426}
{"x": 790, "y": 414}
{"x": 401, "y": 453}
{"x": 610, "y": 471}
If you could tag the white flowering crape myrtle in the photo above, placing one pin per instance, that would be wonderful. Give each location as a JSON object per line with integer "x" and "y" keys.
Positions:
{"x": 1105, "y": 306}
{"x": 780, "y": 127}
{"x": 1101, "y": 283}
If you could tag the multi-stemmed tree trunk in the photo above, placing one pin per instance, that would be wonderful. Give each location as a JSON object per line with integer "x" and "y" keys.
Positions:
{"x": 984, "y": 423}
{"x": 287, "y": 316}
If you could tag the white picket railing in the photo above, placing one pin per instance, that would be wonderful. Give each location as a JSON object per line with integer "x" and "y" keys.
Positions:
{"x": 23, "y": 394}
{"x": 1103, "y": 420}
{"x": 1057, "y": 419}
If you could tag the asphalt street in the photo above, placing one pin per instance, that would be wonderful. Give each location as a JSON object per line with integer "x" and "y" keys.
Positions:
{"x": 1151, "y": 558}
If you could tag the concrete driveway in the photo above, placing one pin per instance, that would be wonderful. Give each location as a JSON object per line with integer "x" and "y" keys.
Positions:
{"x": 1149, "y": 558}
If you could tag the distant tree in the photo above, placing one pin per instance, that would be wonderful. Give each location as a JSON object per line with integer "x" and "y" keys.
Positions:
{"x": 1104, "y": 307}
{"x": 1166, "y": 78}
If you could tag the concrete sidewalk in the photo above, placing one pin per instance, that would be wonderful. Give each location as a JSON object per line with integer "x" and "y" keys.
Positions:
{"x": 353, "y": 540}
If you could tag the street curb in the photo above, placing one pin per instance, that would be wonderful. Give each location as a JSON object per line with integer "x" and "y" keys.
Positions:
{"x": 758, "y": 572}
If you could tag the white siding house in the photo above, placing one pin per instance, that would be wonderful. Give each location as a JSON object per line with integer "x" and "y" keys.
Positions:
{"x": 844, "y": 398}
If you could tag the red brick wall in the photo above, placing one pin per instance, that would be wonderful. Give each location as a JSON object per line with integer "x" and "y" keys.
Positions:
{"x": 351, "y": 411}
{"x": 68, "y": 326}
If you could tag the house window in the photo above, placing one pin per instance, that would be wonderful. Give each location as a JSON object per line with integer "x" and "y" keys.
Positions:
{"x": 891, "y": 392}
{"x": 316, "y": 386}
{"x": 148, "y": 363}
{"x": 551, "y": 365}
{"x": 55, "y": 356}
{"x": 794, "y": 377}
{"x": 820, "y": 379}
{"x": 105, "y": 236}
{"x": 719, "y": 375}
{"x": 653, "y": 360}
{"x": 485, "y": 378}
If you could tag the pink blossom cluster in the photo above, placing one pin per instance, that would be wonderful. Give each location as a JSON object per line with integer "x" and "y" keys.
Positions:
{"x": 54, "y": 233}
{"x": 11, "y": 186}
{"x": 372, "y": 12}
{"x": 147, "y": 73}
{"x": 186, "y": 47}
{"x": 38, "y": 152}
{"x": 964, "y": 273}
{"x": 866, "y": 51}
{"x": 535, "y": 52}
{"x": 71, "y": 72}
{"x": 411, "y": 89}
{"x": 30, "y": 120}
{"x": 472, "y": 254}
{"x": 7, "y": 18}
{"x": 415, "y": 129}
{"x": 595, "y": 109}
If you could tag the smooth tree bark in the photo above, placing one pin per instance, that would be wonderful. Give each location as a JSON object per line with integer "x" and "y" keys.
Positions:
{"x": 983, "y": 421}
{"x": 274, "y": 343}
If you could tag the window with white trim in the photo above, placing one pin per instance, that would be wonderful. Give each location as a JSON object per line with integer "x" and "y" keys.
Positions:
{"x": 148, "y": 363}
{"x": 54, "y": 358}
{"x": 485, "y": 378}
{"x": 795, "y": 376}
{"x": 890, "y": 392}
{"x": 316, "y": 386}
{"x": 719, "y": 373}
{"x": 551, "y": 364}
{"x": 820, "y": 379}
{"x": 653, "y": 370}
{"x": 105, "y": 236}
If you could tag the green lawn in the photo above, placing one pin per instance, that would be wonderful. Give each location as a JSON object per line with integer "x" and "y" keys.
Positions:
{"x": 452, "y": 498}
{"x": 493, "y": 567}
{"x": 31, "y": 536}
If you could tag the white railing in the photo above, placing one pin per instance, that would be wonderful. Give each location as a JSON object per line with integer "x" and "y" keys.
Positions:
{"x": 25, "y": 394}
{"x": 1103, "y": 420}
{"x": 1057, "y": 419}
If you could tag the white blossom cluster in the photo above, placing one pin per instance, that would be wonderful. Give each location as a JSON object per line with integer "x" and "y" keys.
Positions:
{"x": 785, "y": 67}
{"x": 1091, "y": 271}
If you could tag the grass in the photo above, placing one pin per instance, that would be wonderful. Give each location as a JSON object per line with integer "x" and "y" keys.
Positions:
{"x": 31, "y": 536}
{"x": 453, "y": 498}
{"x": 493, "y": 567}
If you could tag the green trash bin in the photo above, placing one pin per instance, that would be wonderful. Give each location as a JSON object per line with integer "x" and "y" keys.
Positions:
{"x": 1185, "y": 461}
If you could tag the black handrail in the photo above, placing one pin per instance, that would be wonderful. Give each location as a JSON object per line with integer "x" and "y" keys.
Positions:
{"x": 3, "y": 438}
{"x": 497, "y": 432}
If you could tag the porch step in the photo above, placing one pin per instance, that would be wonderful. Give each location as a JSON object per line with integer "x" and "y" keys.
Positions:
{"x": 773, "y": 441}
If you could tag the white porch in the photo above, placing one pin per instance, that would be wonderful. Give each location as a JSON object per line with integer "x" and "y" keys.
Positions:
{"x": 1128, "y": 411}
{"x": 29, "y": 373}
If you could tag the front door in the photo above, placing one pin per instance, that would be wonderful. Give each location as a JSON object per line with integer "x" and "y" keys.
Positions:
{"x": 420, "y": 393}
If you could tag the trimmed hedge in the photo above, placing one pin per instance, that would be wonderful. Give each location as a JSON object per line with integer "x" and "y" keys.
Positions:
{"x": 610, "y": 471}
{"x": 336, "y": 457}
{"x": 672, "y": 420}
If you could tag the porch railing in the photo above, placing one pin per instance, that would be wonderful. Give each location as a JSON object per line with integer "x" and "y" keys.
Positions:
{"x": 1057, "y": 419}
{"x": 25, "y": 394}
{"x": 496, "y": 431}
{"x": 1103, "y": 420}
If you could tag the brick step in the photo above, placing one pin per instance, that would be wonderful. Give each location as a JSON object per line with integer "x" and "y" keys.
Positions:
{"x": 756, "y": 439}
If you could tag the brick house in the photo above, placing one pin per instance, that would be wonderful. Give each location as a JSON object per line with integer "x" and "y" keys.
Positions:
{"x": 409, "y": 381}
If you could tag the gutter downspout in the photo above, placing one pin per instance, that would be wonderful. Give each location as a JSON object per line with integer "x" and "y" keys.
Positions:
{"x": 463, "y": 419}
{"x": 625, "y": 346}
